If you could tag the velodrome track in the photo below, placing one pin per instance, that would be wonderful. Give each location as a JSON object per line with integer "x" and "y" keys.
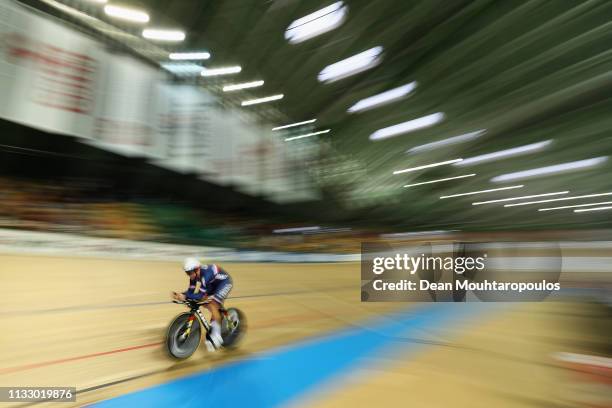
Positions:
{"x": 99, "y": 324}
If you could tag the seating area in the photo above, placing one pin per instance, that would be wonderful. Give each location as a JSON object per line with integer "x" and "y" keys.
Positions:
{"x": 75, "y": 208}
{"x": 92, "y": 208}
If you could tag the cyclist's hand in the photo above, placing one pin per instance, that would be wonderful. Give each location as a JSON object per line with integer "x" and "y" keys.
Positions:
{"x": 178, "y": 296}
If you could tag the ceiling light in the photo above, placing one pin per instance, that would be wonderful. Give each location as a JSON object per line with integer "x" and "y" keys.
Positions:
{"x": 519, "y": 198}
{"x": 402, "y": 235}
{"x": 439, "y": 180}
{"x": 189, "y": 56}
{"x": 69, "y": 10}
{"x": 137, "y": 16}
{"x": 98, "y": 1}
{"x": 262, "y": 100}
{"x": 383, "y": 98}
{"x": 182, "y": 68}
{"x": 502, "y": 154}
{"x": 244, "y": 85}
{"x": 483, "y": 191}
{"x": 328, "y": 230}
{"x": 594, "y": 209}
{"x": 575, "y": 206}
{"x": 351, "y": 66}
{"x": 450, "y": 141}
{"x": 558, "y": 199}
{"x": 294, "y": 124}
{"x": 307, "y": 135}
{"x": 406, "y": 127}
{"x": 221, "y": 71}
{"x": 163, "y": 35}
{"x": 297, "y": 229}
{"x": 426, "y": 166}
{"x": 558, "y": 168}
{"x": 317, "y": 23}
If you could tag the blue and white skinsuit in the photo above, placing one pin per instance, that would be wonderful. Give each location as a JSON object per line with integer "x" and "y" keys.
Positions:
{"x": 213, "y": 282}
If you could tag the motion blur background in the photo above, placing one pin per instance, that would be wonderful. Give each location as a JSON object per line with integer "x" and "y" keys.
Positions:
{"x": 276, "y": 137}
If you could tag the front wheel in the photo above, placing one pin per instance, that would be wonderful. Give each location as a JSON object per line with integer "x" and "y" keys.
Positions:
{"x": 233, "y": 328}
{"x": 182, "y": 341}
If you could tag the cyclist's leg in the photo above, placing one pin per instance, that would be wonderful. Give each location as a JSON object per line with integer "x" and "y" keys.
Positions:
{"x": 217, "y": 298}
{"x": 221, "y": 292}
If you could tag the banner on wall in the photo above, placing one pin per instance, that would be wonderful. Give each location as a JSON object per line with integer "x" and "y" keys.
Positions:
{"x": 124, "y": 115}
{"x": 184, "y": 125}
{"x": 59, "y": 80}
{"x": 48, "y": 73}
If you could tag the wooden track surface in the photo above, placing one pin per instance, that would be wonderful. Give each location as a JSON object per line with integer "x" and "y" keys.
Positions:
{"x": 93, "y": 322}
{"x": 508, "y": 361}
{"x": 98, "y": 324}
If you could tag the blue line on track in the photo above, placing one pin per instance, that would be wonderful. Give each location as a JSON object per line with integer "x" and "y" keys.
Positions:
{"x": 276, "y": 377}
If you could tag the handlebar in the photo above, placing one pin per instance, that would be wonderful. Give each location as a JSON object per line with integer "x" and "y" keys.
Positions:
{"x": 190, "y": 302}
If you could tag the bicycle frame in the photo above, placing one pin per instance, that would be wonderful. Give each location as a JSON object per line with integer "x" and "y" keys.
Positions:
{"x": 201, "y": 318}
{"x": 194, "y": 310}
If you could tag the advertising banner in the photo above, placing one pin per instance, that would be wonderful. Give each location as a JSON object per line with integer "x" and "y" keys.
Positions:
{"x": 61, "y": 81}
{"x": 184, "y": 125}
{"x": 48, "y": 73}
{"x": 124, "y": 115}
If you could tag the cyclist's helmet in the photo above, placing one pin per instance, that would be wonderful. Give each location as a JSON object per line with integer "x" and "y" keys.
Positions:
{"x": 191, "y": 264}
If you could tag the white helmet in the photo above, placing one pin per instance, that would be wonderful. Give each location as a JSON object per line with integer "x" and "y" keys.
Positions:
{"x": 190, "y": 264}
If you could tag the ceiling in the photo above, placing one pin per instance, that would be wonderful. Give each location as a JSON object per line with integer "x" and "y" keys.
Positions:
{"x": 521, "y": 71}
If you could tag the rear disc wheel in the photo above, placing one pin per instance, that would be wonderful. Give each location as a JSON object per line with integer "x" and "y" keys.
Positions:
{"x": 233, "y": 328}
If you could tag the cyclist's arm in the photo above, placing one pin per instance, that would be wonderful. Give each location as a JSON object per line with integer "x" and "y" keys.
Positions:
{"x": 191, "y": 294}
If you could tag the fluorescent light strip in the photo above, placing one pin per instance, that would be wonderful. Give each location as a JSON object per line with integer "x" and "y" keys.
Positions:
{"x": 450, "y": 141}
{"x": 307, "y": 135}
{"x": 406, "y": 127}
{"x": 182, "y": 68}
{"x": 575, "y": 206}
{"x": 439, "y": 180}
{"x": 297, "y": 229}
{"x": 559, "y": 199}
{"x": 316, "y": 23}
{"x": 519, "y": 198}
{"x": 502, "y": 154}
{"x": 294, "y": 124}
{"x": 558, "y": 168}
{"x": 98, "y": 1}
{"x": 594, "y": 209}
{"x": 136, "y": 16}
{"x": 189, "y": 56}
{"x": 328, "y": 231}
{"x": 244, "y": 85}
{"x": 426, "y": 166}
{"x": 351, "y": 66}
{"x": 262, "y": 100}
{"x": 69, "y": 10}
{"x": 163, "y": 35}
{"x": 400, "y": 235}
{"x": 482, "y": 191}
{"x": 383, "y": 98}
{"x": 221, "y": 71}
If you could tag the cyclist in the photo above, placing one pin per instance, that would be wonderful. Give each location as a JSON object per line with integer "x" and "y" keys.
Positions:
{"x": 210, "y": 282}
